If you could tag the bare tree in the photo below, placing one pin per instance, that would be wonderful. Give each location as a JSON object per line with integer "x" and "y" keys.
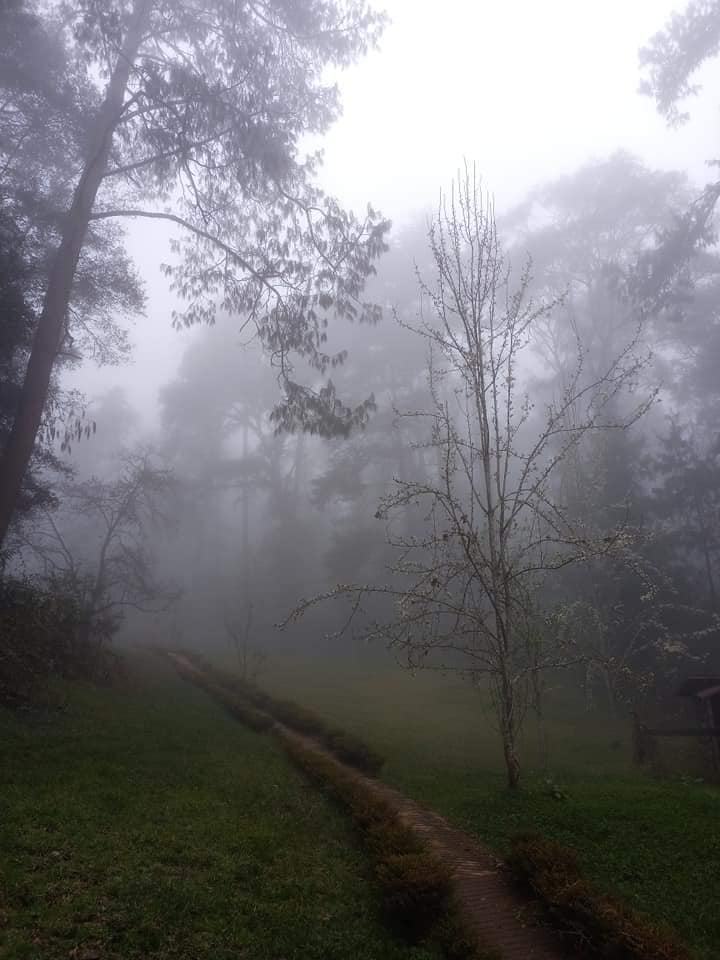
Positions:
{"x": 102, "y": 556}
{"x": 239, "y": 631}
{"x": 466, "y": 595}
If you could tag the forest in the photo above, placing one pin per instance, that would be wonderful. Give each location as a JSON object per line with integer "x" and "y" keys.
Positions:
{"x": 373, "y": 608}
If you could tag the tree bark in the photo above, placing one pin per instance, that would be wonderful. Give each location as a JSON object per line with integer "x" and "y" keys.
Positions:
{"x": 508, "y": 732}
{"x": 512, "y": 764}
{"x": 51, "y": 324}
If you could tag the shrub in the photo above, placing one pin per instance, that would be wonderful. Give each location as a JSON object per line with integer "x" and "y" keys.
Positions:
{"x": 387, "y": 836}
{"x": 296, "y": 717}
{"x": 416, "y": 887}
{"x": 346, "y": 747}
{"x": 354, "y": 751}
{"x": 255, "y": 719}
{"x": 459, "y": 943}
{"x": 41, "y": 634}
{"x": 236, "y": 706}
{"x": 609, "y": 928}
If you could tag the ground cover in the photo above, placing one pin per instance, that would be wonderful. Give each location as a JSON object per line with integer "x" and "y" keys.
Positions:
{"x": 143, "y": 821}
{"x": 654, "y": 842}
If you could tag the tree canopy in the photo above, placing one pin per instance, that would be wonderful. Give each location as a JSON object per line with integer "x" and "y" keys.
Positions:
{"x": 677, "y": 52}
{"x": 193, "y": 113}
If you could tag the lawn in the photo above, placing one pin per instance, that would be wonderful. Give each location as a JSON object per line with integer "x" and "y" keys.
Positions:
{"x": 142, "y": 822}
{"x": 655, "y": 842}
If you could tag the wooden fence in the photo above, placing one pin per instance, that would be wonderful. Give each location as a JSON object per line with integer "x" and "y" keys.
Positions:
{"x": 645, "y": 741}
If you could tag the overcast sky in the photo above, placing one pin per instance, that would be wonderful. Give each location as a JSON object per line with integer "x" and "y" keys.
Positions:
{"x": 527, "y": 90}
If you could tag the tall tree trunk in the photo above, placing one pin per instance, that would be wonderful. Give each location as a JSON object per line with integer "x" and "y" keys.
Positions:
{"x": 51, "y": 325}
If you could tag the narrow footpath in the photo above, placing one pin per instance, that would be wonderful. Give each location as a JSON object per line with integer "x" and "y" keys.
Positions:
{"x": 495, "y": 910}
{"x": 498, "y": 913}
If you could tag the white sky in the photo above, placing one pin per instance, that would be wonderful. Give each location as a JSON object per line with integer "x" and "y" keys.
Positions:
{"x": 528, "y": 90}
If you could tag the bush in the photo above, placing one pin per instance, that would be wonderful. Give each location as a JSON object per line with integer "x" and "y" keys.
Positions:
{"x": 296, "y": 717}
{"x": 609, "y": 928}
{"x": 387, "y": 836}
{"x": 459, "y": 943}
{"x": 354, "y": 751}
{"x": 236, "y": 706}
{"x": 41, "y": 635}
{"x": 416, "y": 888}
{"x": 255, "y": 719}
{"x": 346, "y": 747}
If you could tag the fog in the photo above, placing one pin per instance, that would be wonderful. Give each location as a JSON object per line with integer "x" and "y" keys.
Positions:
{"x": 497, "y": 457}
{"x": 359, "y": 479}
{"x": 526, "y": 104}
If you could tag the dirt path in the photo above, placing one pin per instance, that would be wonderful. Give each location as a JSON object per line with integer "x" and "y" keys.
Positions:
{"x": 499, "y": 915}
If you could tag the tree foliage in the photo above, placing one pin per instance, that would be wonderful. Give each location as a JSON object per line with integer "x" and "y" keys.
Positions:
{"x": 190, "y": 113}
{"x": 607, "y": 238}
{"x": 42, "y": 132}
{"x": 671, "y": 59}
{"x": 216, "y": 102}
{"x": 677, "y": 52}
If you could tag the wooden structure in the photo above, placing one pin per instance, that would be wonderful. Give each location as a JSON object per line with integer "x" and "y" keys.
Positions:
{"x": 705, "y": 691}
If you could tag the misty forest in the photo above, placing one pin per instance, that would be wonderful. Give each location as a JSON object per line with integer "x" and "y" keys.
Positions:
{"x": 359, "y": 480}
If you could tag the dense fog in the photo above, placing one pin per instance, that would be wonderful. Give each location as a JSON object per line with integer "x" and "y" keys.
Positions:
{"x": 483, "y": 437}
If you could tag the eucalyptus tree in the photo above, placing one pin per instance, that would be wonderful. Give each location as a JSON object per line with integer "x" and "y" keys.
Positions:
{"x": 192, "y": 114}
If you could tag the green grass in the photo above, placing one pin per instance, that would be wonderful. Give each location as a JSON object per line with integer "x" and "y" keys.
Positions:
{"x": 656, "y": 843}
{"x": 143, "y": 822}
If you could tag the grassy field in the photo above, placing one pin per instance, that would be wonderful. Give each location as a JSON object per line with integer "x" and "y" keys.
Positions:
{"x": 142, "y": 822}
{"x": 655, "y": 842}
